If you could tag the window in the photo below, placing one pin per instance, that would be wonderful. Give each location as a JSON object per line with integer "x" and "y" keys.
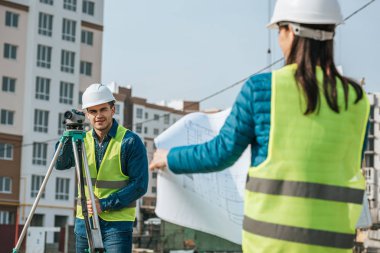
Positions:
{"x": 138, "y": 128}
{"x": 70, "y": 5}
{"x": 7, "y": 117}
{"x": 154, "y": 189}
{"x": 36, "y": 185}
{"x": 88, "y": 7}
{"x": 156, "y": 117}
{"x": 8, "y": 84}
{"x": 6, "y": 151}
{"x": 369, "y": 161}
{"x": 145, "y": 130}
{"x": 66, "y": 93}
{"x": 50, "y": 2}
{"x": 87, "y": 37}
{"x": 117, "y": 109}
{"x": 61, "y": 124}
{"x": 7, "y": 217}
{"x": 371, "y": 128}
{"x": 166, "y": 118}
{"x": 5, "y": 185}
{"x": 45, "y": 24}
{"x": 11, "y": 19}
{"x": 156, "y": 131}
{"x": 139, "y": 113}
{"x": 43, "y": 56}
{"x": 39, "y": 153}
{"x": 67, "y": 61}
{"x": 68, "y": 30}
{"x": 10, "y": 51}
{"x": 42, "y": 88}
{"x": 62, "y": 188}
{"x": 146, "y": 115}
{"x": 37, "y": 220}
{"x": 371, "y": 144}
{"x": 86, "y": 68}
{"x": 41, "y": 121}
{"x": 59, "y": 221}
{"x": 80, "y": 97}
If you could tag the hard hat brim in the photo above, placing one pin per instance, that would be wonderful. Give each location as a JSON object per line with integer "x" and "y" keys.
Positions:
{"x": 96, "y": 103}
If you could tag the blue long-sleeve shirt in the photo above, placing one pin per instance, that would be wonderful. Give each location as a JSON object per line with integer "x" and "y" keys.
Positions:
{"x": 248, "y": 123}
{"x": 134, "y": 163}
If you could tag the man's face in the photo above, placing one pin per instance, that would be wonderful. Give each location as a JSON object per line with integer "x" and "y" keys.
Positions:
{"x": 100, "y": 116}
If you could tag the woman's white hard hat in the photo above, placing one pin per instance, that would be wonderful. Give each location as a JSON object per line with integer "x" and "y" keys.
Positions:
{"x": 96, "y": 94}
{"x": 317, "y": 12}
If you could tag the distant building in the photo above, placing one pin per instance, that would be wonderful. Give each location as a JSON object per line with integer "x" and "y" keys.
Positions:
{"x": 50, "y": 52}
{"x": 13, "y": 30}
{"x": 371, "y": 166}
{"x": 371, "y": 157}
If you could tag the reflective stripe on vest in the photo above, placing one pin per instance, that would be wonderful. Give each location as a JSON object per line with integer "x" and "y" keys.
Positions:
{"x": 109, "y": 178}
{"x": 307, "y": 195}
{"x": 305, "y": 190}
{"x": 108, "y": 184}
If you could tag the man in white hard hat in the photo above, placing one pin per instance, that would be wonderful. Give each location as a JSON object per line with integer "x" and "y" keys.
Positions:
{"x": 118, "y": 158}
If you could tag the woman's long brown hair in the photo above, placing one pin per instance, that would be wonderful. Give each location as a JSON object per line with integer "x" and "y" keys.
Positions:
{"x": 307, "y": 54}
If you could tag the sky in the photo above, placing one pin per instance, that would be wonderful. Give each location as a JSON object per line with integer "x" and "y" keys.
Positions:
{"x": 190, "y": 49}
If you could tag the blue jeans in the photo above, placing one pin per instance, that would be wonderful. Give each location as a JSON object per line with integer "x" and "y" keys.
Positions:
{"x": 114, "y": 242}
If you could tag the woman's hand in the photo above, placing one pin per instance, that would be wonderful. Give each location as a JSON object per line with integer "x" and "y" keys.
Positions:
{"x": 159, "y": 160}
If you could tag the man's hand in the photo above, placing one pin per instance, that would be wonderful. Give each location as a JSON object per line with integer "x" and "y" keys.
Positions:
{"x": 159, "y": 160}
{"x": 97, "y": 205}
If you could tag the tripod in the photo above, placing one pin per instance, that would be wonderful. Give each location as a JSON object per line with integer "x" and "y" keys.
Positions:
{"x": 74, "y": 131}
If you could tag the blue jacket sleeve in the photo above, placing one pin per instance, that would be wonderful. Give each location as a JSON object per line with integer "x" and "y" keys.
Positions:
{"x": 135, "y": 165}
{"x": 224, "y": 149}
{"x": 65, "y": 158}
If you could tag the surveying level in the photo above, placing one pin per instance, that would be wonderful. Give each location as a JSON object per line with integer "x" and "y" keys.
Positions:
{"x": 74, "y": 130}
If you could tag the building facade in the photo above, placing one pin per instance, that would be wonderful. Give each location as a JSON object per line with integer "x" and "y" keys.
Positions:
{"x": 13, "y": 28}
{"x": 51, "y": 51}
{"x": 371, "y": 166}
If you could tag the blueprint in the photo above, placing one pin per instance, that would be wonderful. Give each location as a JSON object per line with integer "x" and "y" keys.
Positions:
{"x": 211, "y": 202}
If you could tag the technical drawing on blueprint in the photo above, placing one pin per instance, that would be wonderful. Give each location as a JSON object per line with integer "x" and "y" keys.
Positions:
{"x": 210, "y": 202}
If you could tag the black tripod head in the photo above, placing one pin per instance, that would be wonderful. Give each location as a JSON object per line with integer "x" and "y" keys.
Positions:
{"x": 74, "y": 120}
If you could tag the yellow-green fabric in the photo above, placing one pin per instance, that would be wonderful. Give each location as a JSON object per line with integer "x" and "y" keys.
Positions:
{"x": 306, "y": 196}
{"x": 109, "y": 178}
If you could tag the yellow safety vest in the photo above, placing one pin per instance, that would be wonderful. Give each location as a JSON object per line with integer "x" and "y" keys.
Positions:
{"x": 307, "y": 195}
{"x": 109, "y": 178}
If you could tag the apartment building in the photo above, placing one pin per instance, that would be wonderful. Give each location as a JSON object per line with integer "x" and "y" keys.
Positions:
{"x": 51, "y": 53}
{"x": 371, "y": 166}
{"x": 13, "y": 28}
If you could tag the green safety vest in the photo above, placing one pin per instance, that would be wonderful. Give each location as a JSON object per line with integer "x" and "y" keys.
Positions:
{"x": 307, "y": 195}
{"x": 109, "y": 178}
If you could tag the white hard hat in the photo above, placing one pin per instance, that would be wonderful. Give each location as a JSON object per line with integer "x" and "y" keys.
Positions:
{"x": 96, "y": 94}
{"x": 318, "y": 12}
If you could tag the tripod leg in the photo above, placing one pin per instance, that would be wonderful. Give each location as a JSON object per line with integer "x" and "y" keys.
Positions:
{"x": 39, "y": 195}
{"x": 96, "y": 233}
{"x": 90, "y": 189}
{"x": 78, "y": 167}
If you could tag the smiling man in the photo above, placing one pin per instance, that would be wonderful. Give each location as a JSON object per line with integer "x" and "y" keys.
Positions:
{"x": 117, "y": 158}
